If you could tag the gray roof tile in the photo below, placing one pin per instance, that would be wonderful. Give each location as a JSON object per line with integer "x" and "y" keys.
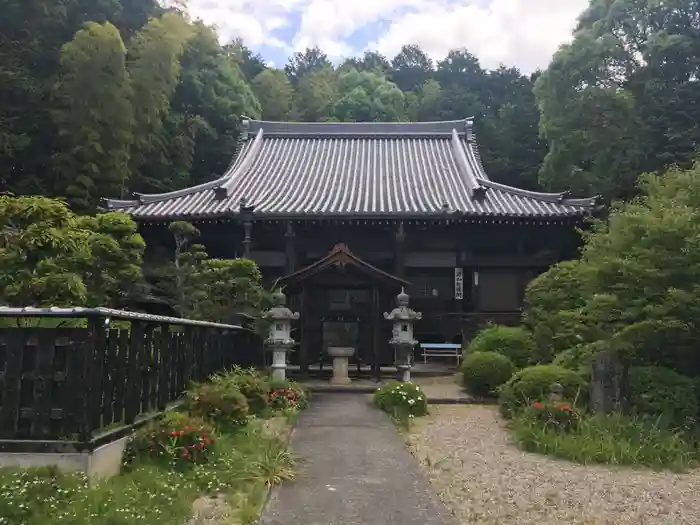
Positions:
{"x": 354, "y": 169}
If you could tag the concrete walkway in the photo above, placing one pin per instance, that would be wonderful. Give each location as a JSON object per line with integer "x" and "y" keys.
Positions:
{"x": 355, "y": 471}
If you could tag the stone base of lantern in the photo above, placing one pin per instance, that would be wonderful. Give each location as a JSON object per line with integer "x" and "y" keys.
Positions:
{"x": 404, "y": 353}
{"x": 279, "y": 351}
{"x": 341, "y": 356}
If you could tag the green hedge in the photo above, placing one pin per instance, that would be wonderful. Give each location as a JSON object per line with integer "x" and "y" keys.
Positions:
{"x": 514, "y": 342}
{"x": 659, "y": 391}
{"x": 484, "y": 372}
{"x": 534, "y": 383}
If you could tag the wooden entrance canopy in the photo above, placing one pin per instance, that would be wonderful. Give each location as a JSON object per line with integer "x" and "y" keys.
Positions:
{"x": 340, "y": 257}
{"x": 341, "y": 269}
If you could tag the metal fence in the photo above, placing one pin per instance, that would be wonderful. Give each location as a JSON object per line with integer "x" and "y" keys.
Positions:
{"x": 83, "y": 386}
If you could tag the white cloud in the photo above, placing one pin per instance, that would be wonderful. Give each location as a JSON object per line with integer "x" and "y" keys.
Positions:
{"x": 523, "y": 33}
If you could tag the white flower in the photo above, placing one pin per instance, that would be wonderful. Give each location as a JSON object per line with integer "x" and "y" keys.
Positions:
{"x": 411, "y": 402}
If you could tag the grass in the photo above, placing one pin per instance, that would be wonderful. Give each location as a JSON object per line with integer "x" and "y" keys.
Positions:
{"x": 243, "y": 466}
{"x": 611, "y": 439}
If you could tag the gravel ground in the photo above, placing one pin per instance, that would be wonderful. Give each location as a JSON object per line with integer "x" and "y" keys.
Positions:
{"x": 441, "y": 387}
{"x": 486, "y": 480}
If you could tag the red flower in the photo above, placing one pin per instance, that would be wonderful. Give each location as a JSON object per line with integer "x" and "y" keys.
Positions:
{"x": 174, "y": 433}
{"x": 537, "y": 405}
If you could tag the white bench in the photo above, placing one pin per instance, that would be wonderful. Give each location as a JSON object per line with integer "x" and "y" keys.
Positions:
{"x": 441, "y": 350}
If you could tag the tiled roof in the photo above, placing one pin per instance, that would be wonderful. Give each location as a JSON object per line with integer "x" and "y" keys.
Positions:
{"x": 301, "y": 169}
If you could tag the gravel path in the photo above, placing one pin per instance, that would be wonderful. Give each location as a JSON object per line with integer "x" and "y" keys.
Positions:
{"x": 486, "y": 480}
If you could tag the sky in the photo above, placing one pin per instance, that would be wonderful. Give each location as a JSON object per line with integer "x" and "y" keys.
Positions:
{"x": 521, "y": 33}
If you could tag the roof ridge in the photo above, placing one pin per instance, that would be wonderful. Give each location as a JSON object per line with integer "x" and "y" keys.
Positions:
{"x": 555, "y": 197}
{"x": 230, "y": 172}
{"x": 250, "y": 156}
{"x": 473, "y": 145}
{"x": 438, "y": 127}
{"x": 462, "y": 161}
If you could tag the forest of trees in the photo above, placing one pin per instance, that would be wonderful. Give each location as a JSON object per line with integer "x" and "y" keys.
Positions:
{"x": 100, "y": 99}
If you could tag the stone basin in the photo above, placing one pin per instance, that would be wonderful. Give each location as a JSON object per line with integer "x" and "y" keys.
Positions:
{"x": 340, "y": 355}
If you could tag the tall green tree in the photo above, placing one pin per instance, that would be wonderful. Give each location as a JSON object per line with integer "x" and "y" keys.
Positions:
{"x": 368, "y": 96}
{"x": 206, "y": 108}
{"x": 426, "y": 103}
{"x": 51, "y": 257}
{"x": 32, "y": 34}
{"x": 153, "y": 63}
{"x": 411, "y": 68}
{"x": 276, "y": 95}
{"x": 511, "y": 148}
{"x": 93, "y": 116}
{"x": 370, "y": 61}
{"x": 251, "y": 64}
{"x": 317, "y": 92}
{"x": 300, "y": 65}
{"x": 621, "y": 98}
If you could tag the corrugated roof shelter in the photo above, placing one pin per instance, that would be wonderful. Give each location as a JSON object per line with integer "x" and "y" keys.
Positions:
{"x": 330, "y": 169}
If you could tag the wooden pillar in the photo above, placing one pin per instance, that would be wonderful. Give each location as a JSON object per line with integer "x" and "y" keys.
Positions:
{"x": 303, "y": 360}
{"x": 247, "y": 217}
{"x": 400, "y": 251}
{"x": 375, "y": 332}
{"x": 290, "y": 249}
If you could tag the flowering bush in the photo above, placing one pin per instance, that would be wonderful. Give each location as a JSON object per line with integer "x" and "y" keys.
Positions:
{"x": 403, "y": 400}
{"x": 558, "y": 414}
{"x": 175, "y": 438}
{"x": 284, "y": 399}
{"x": 221, "y": 404}
{"x": 288, "y": 396}
{"x": 250, "y": 383}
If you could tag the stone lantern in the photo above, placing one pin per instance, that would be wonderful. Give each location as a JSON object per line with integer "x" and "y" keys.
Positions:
{"x": 279, "y": 340}
{"x": 402, "y": 334}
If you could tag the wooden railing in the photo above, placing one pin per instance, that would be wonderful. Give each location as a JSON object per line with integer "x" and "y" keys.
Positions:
{"x": 77, "y": 386}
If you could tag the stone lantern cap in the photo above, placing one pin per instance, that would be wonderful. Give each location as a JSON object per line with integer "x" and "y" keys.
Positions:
{"x": 279, "y": 310}
{"x": 402, "y": 312}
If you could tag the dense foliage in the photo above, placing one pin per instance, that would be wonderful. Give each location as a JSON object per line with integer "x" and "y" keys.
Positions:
{"x": 661, "y": 392}
{"x": 201, "y": 287}
{"x": 514, "y": 342}
{"x": 484, "y": 372}
{"x": 635, "y": 288}
{"x": 535, "y": 383}
{"x": 621, "y": 99}
{"x": 51, "y": 257}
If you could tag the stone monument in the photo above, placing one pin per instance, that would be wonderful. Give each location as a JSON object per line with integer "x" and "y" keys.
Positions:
{"x": 279, "y": 340}
{"x": 608, "y": 383}
{"x": 402, "y": 334}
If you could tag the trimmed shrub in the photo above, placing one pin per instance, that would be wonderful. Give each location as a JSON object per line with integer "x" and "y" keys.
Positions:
{"x": 533, "y": 384}
{"x": 659, "y": 391}
{"x": 223, "y": 405}
{"x": 514, "y": 342}
{"x": 484, "y": 372}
